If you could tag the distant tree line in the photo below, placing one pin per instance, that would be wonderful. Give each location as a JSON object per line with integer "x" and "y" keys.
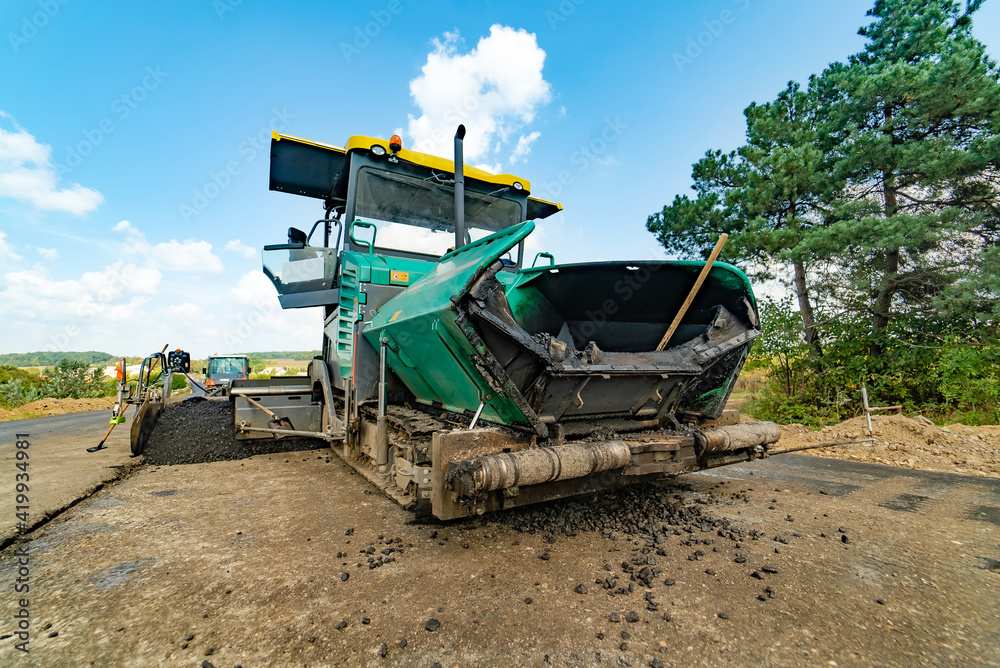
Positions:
{"x": 48, "y": 358}
{"x": 298, "y": 355}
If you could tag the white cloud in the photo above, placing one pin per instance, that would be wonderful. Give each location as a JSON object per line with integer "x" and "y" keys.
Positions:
{"x": 112, "y": 294}
{"x": 27, "y": 174}
{"x": 259, "y": 323}
{"x": 523, "y": 148}
{"x": 562, "y": 112}
{"x": 119, "y": 279}
{"x": 253, "y": 288}
{"x": 98, "y": 310}
{"x": 190, "y": 256}
{"x": 495, "y": 168}
{"x": 187, "y": 256}
{"x": 6, "y": 250}
{"x": 186, "y": 312}
{"x": 495, "y": 89}
{"x": 48, "y": 253}
{"x": 125, "y": 226}
{"x": 237, "y": 246}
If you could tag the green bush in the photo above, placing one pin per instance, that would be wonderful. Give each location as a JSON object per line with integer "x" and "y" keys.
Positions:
{"x": 939, "y": 374}
{"x": 18, "y": 387}
{"x": 71, "y": 379}
{"x": 16, "y": 392}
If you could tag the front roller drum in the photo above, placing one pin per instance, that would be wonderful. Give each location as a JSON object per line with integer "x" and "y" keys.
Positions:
{"x": 535, "y": 466}
{"x": 737, "y": 437}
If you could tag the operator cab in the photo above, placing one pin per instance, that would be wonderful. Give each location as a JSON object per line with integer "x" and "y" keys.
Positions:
{"x": 382, "y": 201}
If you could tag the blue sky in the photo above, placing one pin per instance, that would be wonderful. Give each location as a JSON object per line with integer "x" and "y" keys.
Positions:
{"x": 119, "y": 230}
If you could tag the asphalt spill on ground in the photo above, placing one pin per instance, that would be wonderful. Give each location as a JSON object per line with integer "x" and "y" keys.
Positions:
{"x": 647, "y": 510}
{"x": 199, "y": 430}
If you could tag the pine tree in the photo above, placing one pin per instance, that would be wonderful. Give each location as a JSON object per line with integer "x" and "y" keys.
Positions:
{"x": 766, "y": 195}
{"x": 915, "y": 121}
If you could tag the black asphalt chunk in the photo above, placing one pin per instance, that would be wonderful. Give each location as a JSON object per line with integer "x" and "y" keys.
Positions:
{"x": 383, "y": 650}
{"x": 341, "y": 625}
{"x": 723, "y": 615}
{"x": 769, "y": 569}
{"x": 432, "y": 624}
{"x": 580, "y": 589}
{"x": 615, "y": 617}
{"x": 632, "y": 617}
{"x": 527, "y": 600}
{"x": 344, "y": 576}
{"x": 402, "y": 643}
{"x": 642, "y": 509}
{"x": 198, "y": 430}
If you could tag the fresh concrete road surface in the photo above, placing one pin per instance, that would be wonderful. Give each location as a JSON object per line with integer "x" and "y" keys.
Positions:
{"x": 268, "y": 561}
{"x": 60, "y": 470}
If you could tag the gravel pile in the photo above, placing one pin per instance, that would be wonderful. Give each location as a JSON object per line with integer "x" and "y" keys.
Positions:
{"x": 641, "y": 510}
{"x": 199, "y": 430}
{"x": 915, "y": 443}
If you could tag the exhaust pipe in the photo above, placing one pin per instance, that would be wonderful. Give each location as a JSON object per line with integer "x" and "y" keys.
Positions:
{"x": 459, "y": 189}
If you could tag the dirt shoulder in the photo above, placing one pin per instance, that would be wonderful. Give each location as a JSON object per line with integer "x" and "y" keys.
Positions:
{"x": 906, "y": 442}
{"x": 48, "y": 407}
